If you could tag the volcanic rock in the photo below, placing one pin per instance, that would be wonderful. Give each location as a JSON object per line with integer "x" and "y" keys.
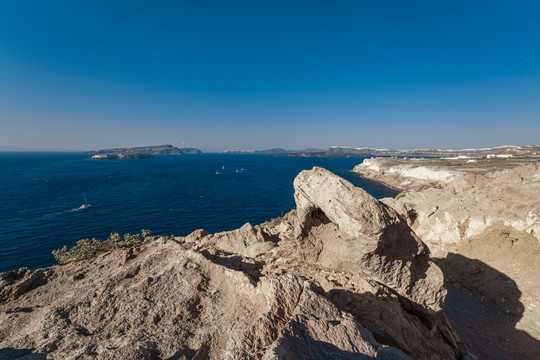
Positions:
{"x": 342, "y": 277}
{"x": 342, "y": 227}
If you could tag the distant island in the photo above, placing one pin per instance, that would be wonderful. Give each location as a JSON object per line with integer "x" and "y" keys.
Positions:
{"x": 273, "y": 151}
{"x": 154, "y": 150}
{"x": 122, "y": 156}
{"x": 343, "y": 151}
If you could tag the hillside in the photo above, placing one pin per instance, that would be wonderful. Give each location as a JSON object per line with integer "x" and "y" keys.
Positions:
{"x": 481, "y": 218}
{"x": 341, "y": 277}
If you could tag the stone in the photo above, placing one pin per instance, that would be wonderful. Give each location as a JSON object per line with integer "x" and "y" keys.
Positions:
{"x": 343, "y": 276}
{"x": 342, "y": 227}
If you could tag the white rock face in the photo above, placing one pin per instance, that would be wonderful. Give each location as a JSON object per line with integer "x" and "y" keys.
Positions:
{"x": 494, "y": 218}
{"x": 472, "y": 203}
{"x": 423, "y": 173}
{"x": 407, "y": 171}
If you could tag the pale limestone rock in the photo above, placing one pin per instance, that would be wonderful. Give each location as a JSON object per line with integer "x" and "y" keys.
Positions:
{"x": 487, "y": 226}
{"x": 250, "y": 241}
{"x": 343, "y": 227}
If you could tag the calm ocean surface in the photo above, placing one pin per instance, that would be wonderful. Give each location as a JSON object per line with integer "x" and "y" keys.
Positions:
{"x": 41, "y": 195}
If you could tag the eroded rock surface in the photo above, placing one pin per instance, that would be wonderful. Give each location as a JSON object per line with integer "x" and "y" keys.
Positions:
{"x": 342, "y": 227}
{"x": 342, "y": 277}
{"x": 484, "y": 225}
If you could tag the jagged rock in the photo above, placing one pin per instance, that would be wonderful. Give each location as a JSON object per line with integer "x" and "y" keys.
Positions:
{"x": 472, "y": 203}
{"x": 328, "y": 333}
{"x": 164, "y": 301}
{"x": 343, "y": 227}
{"x": 486, "y": 228}
{"x": 250, "y": 241}
{"x": 355, "y": 282}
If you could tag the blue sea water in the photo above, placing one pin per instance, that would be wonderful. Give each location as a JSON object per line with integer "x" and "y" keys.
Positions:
{"x": 41, "y": 196}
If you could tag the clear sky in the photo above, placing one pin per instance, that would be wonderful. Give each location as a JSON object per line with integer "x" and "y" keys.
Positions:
{"x": 257, "y": 74}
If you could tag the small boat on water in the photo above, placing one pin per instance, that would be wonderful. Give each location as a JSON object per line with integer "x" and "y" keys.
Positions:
{"x": 86, "y": 205}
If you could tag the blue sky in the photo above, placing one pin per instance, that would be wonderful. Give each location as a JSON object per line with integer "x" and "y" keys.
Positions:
{"x": 258, "y": 74}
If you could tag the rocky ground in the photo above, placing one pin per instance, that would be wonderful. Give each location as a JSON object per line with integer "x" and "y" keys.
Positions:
{"x": 341, "y": 277}
{"x": 419, "y": 173}
{"x": 481, "y": 219}
{"x": 344, "y": 276}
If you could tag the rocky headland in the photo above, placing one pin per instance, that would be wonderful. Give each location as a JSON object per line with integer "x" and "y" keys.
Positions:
{"x": 154, "y": 150}
{"x": 480, "y": 216}
{"x": 341, "y": 277}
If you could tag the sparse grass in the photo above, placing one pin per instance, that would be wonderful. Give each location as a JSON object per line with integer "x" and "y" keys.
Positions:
{"x": 432, "y": 184}
{"x": 89, "y": 248}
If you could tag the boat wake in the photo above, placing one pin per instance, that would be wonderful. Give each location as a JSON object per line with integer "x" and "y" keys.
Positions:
{"x": 82, "y": 207}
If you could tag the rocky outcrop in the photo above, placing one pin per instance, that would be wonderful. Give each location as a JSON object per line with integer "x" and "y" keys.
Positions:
{"x": 342, "y": 227}
{"x": 484, "y": 225}
{"x": 422, "y": 173}
{"x": 341, "y": 277}
{"x": 249, "y": 241}
{"x": 154, "y": 150}
{"x": 471, "y": 204}
{"x": 405, "y": 174}
{"x": 330, "y": 333}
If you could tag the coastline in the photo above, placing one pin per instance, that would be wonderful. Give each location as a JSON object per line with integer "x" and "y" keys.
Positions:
{"x": 481, "y": 208}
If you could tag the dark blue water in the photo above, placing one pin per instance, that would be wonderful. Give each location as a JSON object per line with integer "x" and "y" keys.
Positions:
{"x": 41, "y": 193}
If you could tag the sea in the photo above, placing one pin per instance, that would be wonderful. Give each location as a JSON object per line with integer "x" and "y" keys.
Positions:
{"x": 48, "y": 200}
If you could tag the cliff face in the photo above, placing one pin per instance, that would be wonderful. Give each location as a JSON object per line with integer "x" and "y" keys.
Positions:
{"x": 341, "y": 277}
{"x": 482, "y": 222}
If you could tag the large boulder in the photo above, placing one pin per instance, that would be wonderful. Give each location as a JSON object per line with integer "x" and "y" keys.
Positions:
{"x": 342, "y": 227}
{"x": 328, "y": 333}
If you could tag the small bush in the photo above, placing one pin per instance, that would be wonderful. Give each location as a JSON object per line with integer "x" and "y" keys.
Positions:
{"x": 433, "y": 184}
{"x": 89, "y": 248}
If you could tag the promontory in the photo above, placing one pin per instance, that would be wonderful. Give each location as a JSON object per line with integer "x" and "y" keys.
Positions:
{"x": 154, "y": 150}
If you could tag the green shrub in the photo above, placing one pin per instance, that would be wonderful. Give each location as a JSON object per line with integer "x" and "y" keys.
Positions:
{"x": 89, "y": 248}
{"x": 432, "y": 184}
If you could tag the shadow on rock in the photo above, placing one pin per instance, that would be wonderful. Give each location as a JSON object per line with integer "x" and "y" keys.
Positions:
{"x": 235, "y": 262}
{"x": 483, "y": 280}
{"x": 302, "y": 346}
{"x": 27, "y": 354}
{"x": 394, "y": 325}
{"x": 483, "y": 305}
